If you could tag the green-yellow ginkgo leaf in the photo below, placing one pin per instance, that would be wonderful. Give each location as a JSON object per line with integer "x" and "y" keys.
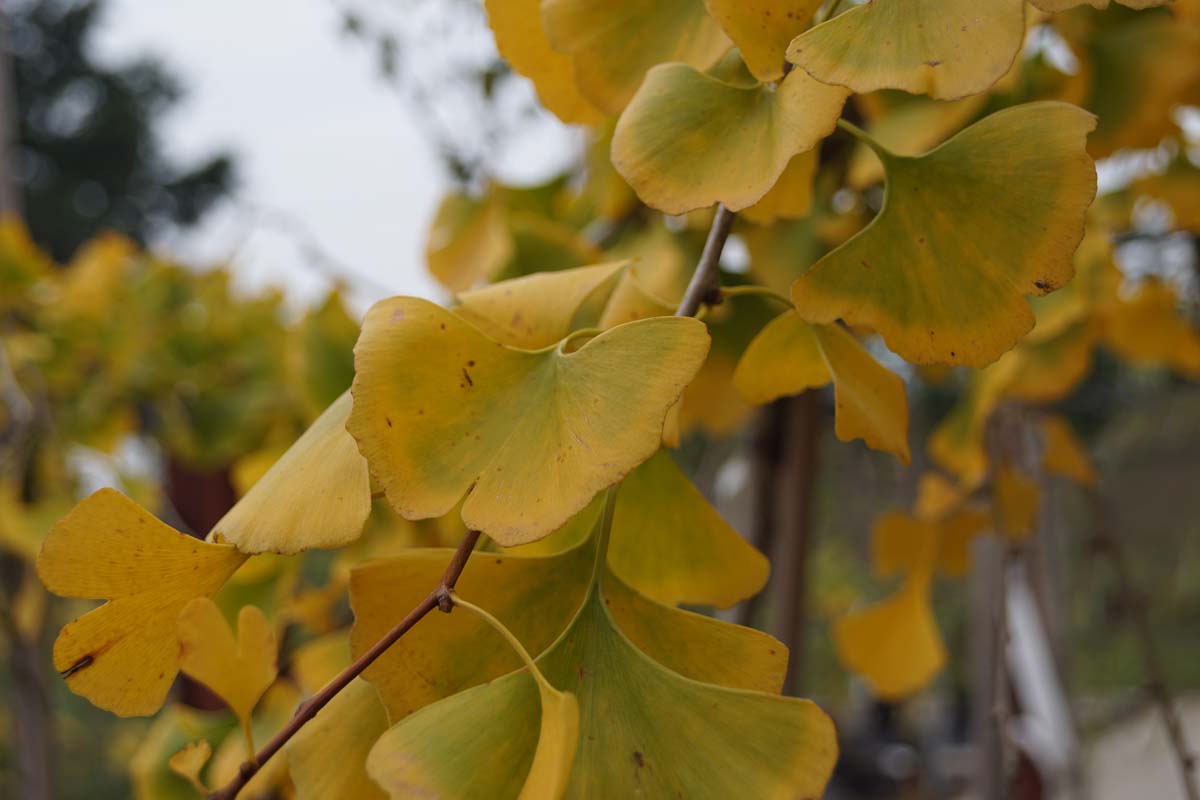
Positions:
{"x": 122, "y": 656}
{"x": 465, "y": 746}
{"x": 790, "y": 356}
{"x": 327, "y": 759}
{"x": 442, "y": 411}
{"x": 689, "y": 140}
{"x": 238, "y": 670}
{"x": 763, "y": 29}
{"x": 612, "y": 43}
{"x": 189, "y": 761}
{"x": 965, "y": 232}
{"x": 318, "y": 494}
{"x": 944, "y": 48}
{"x": 521, "y": 40}
{"x": 539, "y": 310}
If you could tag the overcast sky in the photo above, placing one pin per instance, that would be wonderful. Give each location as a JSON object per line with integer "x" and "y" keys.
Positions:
{"x": 322, "y": 142}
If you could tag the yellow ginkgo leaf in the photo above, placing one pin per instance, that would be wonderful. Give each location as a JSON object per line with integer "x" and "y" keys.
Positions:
{"x": 965, "y": 232}
{"x": 957, "y": 443}
{"x": 238, "y": 670}
{"x": 273, "y": 713}
{"x": 895, "y": 645}
{"x": 612, "y": 43}
{"x": 468, "y": 242}
{"x": 1048, "y": 370}
{"x": 790, "y": 356}
{"x": 189, "y": 761}
{"x": 1016, "y": 498}
{"x": 1147, "y": 330}
{"x": 539, "y": 310}
{"x": 791, "y": 196}
{"x": 122, "y": 656}
{"x": 944, "y": 48}
{"x": 318, "y": 494}
{"x": 178, "y": 727}
{"x": 1063, "y": 454}
{"x": 442, "y": 411}
{"x": 327, "y": 759}
{"x": 763, "y": 29}
{"x": 521, "y": 40}
{"x": 672, "y": 545}
{"x": 688, "y": 140}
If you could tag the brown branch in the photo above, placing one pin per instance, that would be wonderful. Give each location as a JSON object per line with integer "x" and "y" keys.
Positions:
{"x": 438, "y": 598}
{"x": 704, "y": 286}
{"x": 1109, "y": 544}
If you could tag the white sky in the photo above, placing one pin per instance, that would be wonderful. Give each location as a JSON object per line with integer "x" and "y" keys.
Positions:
{"x": 321, "y": 141}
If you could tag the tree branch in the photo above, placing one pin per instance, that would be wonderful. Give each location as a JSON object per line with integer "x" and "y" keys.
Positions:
{"x": 440, "y": 598}
{"x": 704, "y": 284}
{"x": 1110, "y": 544}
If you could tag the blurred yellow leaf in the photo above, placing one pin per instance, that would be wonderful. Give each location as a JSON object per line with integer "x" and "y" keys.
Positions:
{"x": 521, "y": 40}
{"x": 122, "y": 656}
{"x": 688, "y": 140}
{"x": 318, "y": 494}
{"x": 612, "y": 43}
{"x": 1063, "y": 453}
{"x": 965, "y": 232}
{"x": 791, "y": 196}
{"x": 1147, "y": 330}
{"x": 441, "y": 410}
{"x": 189, "y": 761}
{"x": 1016, "y": 498}
{"x": 468, "y": 242}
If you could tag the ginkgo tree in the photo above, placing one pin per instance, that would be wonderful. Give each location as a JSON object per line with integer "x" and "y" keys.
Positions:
{"x": 525, "y": 429}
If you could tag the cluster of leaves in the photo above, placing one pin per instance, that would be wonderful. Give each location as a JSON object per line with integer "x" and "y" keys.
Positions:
{"x": 540, "y": 408}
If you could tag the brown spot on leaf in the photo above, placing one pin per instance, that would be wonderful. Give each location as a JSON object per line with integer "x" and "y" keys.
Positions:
{"x": 388, "y": 420}
{"x": 82, "y": 663}
{"x": 1044, "y": 285}
{"x": 467, "y": 377}
{"x": 638, "y": 758}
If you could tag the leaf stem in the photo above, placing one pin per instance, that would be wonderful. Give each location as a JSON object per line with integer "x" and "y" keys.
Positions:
{"x": 864, "y": 137}
{"x": 501, "y": 629}
{"x": 704, "y": 287}
{"x": 440, "y": 598}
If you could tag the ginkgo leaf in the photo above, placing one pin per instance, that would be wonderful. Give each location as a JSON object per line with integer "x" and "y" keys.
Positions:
{"x": 539, "y": 310}
{"x": 150, "y": 773}
{"x": 238, "y": 670}
{"x": 327, "y": 758}
{"x": 468, "y": 242}
{"x": 791, "y": 196}
{"x": 632, "y": 710}
{"x": 957, "y": 443}
{"x": 521, "y": 40}
{"x": 672, "y": 544}
{"x": 1016, "y": 498}
{"x": 612, "y": 43}
{"x": 1055, "y": 6}
{"x": 122, "y": 656}
{"x": 318, "y": 494}
{"x": 790, "y": 356}
{"x": 688, "y": 140}
{"x": 763, "y": 29}
{"x": 895, "y": 645}
{"x": 535, "y": 597}
{"x": 442, "y": 411}
{"x": 277, "y": 707}
{"x": 965, "y": 232}
{"x": 1048, "y": 370}
{"x": 1147, "y": 330}
{"x": 1063, "y": 454}
{"x": 944, "y": 48}
{"x": 188, "y": 762}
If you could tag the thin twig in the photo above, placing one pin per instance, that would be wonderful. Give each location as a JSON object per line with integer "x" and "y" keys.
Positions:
{"x": 439, "y": 598}
{"x": 704, "y": 287}
{"x": 1110, "y": 545}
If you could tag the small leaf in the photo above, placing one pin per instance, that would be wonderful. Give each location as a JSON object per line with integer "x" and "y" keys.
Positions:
{"x": 964, "y": 233}
{"x": 944, "y": 48}
{"x": 612, "y": 43}
{"x": 440, "y": 411}
{"x": 1016, "y": 498}
{"x": 318, "y": 494}
{"x": 688, "y": 140}
{"x": 189, "y": 761}
{"x": 1063, "y": 454}
{"x": 122, "y": 656}
{"x": 791, "y": 196}
{"x": 521, "y": 40}
{"x": 238, "y": 670}
{"x": 790, "y": 356}
{"x": 1148, "y": 330}
{"x": 762, "y": 29}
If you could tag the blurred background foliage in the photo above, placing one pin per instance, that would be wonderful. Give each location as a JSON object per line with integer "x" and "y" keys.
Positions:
{"x": 120, "y": 368}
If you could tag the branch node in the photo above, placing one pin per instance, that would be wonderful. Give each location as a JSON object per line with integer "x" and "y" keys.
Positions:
{"x": 445, "y": 602}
